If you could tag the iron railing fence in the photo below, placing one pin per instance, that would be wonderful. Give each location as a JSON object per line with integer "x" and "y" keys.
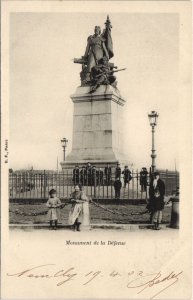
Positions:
{"x": 31, "y": 185}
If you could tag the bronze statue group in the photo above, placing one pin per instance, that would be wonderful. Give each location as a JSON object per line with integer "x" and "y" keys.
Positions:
{"x": 79, "y": 212}
{"x": 96, "y": 68}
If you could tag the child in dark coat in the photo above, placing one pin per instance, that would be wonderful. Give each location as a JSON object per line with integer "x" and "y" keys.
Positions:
{"x": 117, "y": 187}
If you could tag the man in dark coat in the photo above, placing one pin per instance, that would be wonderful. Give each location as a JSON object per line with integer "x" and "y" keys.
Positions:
{"x": 100, "y": 177}
{"x": 76, "y": 174}
{"x": 126, "y": 175}
{"x": 117, "y": 186}
{"x": 89, "y": 173}
{"x": 118, "y": 171}
{"x": 108, "y": 173}
{"x": 94, "y": 176}
{"x": 83, "y": 177}
{"x": 143, "y": 179}
{"x": 156, "y": 199}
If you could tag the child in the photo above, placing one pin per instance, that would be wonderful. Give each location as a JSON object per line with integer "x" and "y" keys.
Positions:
{"x": 117, "y": 186}
{"x": 54, "y": 205}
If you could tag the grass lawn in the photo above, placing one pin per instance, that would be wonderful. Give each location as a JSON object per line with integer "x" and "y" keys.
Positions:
{"x": 97, "y": 215}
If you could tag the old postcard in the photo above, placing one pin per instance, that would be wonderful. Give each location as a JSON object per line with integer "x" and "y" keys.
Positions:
{"x": 96, "y": 165}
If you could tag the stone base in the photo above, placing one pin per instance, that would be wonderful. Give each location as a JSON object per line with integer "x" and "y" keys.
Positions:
{"x": 98, "y": 163}
{"x": 97, "y": 128}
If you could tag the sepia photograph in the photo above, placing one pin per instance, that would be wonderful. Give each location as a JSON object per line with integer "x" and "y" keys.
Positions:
{"x": 96, "y": 139}
{"x": 120, "y": 152}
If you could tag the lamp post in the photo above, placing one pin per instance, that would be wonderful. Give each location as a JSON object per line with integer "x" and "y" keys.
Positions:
{"x": 153, "y": 122}
{"x": 64, "y": 142}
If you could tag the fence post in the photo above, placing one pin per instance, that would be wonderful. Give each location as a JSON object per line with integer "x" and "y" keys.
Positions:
{"x": 166, "y": 181}
{"x": 41, "y": 183}
{"x": 132, "y": 184}
{"x": 95, "y": 183}
{"x": 137, "y": 178}
{"x": 44, "y": 184}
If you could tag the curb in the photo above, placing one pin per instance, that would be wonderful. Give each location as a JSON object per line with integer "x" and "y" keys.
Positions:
{"x": 129, "y": 227}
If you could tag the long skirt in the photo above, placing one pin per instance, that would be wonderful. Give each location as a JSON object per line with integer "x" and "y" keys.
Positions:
{"x": 80, "y": 212}
{"x": 75, "y": 213}
{"x": 86, "y": 216}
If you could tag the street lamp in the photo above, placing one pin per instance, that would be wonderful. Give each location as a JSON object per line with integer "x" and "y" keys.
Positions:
{"x": 153, "y": 122}
{"x": 64, "y": 142}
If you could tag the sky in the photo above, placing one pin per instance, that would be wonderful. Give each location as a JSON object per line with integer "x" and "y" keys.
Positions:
{"x": 43, "y": 76}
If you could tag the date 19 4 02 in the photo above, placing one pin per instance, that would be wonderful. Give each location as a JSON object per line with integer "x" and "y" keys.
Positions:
{"x": 138, "y": 280}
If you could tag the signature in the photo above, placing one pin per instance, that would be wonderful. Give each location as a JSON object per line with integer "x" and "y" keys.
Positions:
{"x": 137, "y": 280}
{"x": 144, "y": 281}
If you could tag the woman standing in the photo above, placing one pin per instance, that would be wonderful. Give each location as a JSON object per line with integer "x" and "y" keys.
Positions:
{"x": 95, "y": 50}
{"x": 79, "y": 213}
{"x": 156, "y": 203}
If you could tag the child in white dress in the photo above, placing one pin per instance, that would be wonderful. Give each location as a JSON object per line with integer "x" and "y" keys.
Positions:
{"x": 54, "y": 205}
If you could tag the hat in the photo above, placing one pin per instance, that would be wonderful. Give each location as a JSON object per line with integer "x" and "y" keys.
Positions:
{"x": 156, "y": 173}
{"x": 52, "y": 191}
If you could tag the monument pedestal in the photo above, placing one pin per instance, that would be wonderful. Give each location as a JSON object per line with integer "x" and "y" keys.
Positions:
{"x": 97, "y": 128}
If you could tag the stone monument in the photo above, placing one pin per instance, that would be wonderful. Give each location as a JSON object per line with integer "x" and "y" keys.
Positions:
{"x": 98, "y": 107}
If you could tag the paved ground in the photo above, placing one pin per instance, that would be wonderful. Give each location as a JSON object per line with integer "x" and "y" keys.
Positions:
{"x": 107, "y": 232}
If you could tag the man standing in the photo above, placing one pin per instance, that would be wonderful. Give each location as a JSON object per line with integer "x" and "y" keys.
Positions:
{"x": 126, "y": 175}
{"x": 118, "y": 171}
{"x": 83, "y": 177}
{"x": 76, "y": 173}
{"x": 143, "y": 179}
{"x": 100, "y": 177}
{"x": 89, "y": 174}
{"x": 108, "y": 174}
{"x": 94, "y": 176}
{"x": 156, "y": 195}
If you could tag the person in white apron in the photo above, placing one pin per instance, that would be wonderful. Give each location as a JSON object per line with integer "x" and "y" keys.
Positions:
{"x": 79, "y": 212}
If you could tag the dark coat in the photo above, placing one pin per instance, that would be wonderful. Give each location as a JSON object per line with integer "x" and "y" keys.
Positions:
{"x": 127, "y": 175}
{"x": 117, "y": 172}
{"x": 76, "y": 174}
{"x": 108, "y": 171}
{"x": 100, "y": 174}
{"x": 83, "y": 176}
{"x": 156, "y": 196}
{"x": 89, "y": 175}
{"x": 143, "y": 177}
{"x": 117, "y": 184}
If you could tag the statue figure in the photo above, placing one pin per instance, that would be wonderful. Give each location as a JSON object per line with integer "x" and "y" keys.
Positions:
{"x": 102, "y": 74}
{"x": 96, "y": 69}
{"x": 95, "y": 50}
